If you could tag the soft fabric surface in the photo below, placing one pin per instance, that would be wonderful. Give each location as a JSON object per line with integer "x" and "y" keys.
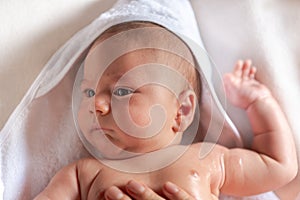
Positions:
{"x": 39, "y": 137}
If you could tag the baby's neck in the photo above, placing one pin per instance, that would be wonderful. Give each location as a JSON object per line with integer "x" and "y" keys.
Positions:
{"x": 140, "y": 163}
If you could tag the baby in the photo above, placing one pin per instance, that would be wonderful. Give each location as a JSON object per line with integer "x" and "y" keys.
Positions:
{"x": 270, "y": 164}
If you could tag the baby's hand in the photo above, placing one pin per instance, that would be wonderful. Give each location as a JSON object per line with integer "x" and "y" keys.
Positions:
{"x": 241, "y": 87}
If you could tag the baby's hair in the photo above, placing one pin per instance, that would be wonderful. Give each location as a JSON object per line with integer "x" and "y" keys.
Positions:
{"x": 185, "y": 64}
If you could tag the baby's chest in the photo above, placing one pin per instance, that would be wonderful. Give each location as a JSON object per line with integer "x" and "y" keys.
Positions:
{"x": 195, "y": 180}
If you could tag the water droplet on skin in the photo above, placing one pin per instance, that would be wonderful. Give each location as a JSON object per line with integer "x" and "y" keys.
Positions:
{"x": 195, "y": 174}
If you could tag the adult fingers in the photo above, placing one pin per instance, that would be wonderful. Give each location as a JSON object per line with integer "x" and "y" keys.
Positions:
{"x": 114, "y": 193}
{"x": 141, "y": 192}
{"x": 173, "y": 192}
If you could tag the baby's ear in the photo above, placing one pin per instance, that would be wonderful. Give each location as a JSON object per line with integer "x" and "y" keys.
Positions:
{"x": 187, "y": 100}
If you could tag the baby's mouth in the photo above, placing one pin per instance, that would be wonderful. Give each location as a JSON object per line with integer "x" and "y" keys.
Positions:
{"x": 108, "y": 133}
{"x": 109, "y": 137}
{"x": 98, "y": 128}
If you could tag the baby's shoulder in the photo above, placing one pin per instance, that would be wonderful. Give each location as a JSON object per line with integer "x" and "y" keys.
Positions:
{"x": 88, "y": 166}
{"x": 205, "y": 153}
{"x": 87, "y": 161}
{"x": 207, "y": 148}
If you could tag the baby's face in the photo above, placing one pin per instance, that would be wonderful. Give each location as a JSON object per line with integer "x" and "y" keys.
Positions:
{"x": 129, "y": 105}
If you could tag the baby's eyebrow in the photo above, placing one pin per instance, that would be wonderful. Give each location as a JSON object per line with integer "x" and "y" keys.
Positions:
{"x": 121, "y": 79}
{"x": 116, "y": 77}
{"x": 83, "y": 81}
{"x": 112, "y": 76}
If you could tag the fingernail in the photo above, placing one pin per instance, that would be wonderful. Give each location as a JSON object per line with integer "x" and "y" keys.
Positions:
{"x": 171, "y": 188}
{"x": 115, "y": 193}
{"x": 135, "y": 187}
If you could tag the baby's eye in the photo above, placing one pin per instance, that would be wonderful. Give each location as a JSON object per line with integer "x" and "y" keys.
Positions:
{"x": 89, "y": 92}
{"x": 122, "y": 91}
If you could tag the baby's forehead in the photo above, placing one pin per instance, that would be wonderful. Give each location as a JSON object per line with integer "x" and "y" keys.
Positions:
{"x": 144, "y": 58}
{"x": 145, "y": 36}
{"x": 126, "y": 62}
{"x": 136, "y": 47}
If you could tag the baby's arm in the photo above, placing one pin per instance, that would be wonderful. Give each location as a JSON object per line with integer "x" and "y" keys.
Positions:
{"x": 273, "y": 162}
{"x": 72, "y": 181}
{"x": 64, "y": 185}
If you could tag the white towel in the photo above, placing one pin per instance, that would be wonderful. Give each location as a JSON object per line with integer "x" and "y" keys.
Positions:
{"x": 40, "y": 136}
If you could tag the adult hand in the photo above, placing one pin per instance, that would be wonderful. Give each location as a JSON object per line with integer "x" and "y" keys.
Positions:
{"x": 139, "y": 191}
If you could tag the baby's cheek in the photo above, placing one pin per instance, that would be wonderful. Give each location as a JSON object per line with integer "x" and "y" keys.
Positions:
{"x": 139, "y": 110}
{"x": 83, "y": 116}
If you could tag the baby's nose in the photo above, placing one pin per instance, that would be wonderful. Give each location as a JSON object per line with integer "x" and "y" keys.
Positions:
{"x": 102, "y": 105}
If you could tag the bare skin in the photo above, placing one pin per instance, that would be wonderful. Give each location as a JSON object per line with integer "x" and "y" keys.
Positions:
{"x": 270, "y": 164}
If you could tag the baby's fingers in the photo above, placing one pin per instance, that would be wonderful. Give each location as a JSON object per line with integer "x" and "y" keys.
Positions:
{"x": 173, "y": 192}
{"x": 246, "y": 69}
{"x": 252, "y": 72}
{"x": 238, "y": 68}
